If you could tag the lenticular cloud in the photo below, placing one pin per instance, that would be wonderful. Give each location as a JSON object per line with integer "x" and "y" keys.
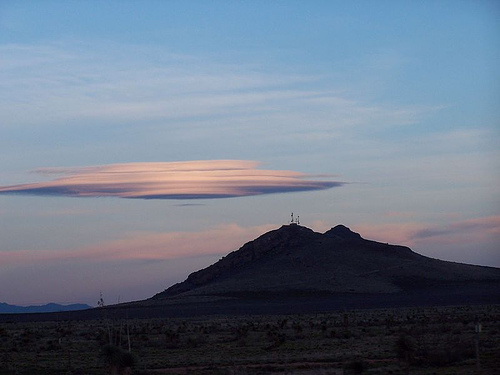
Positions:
{"x": 170, "y": 180}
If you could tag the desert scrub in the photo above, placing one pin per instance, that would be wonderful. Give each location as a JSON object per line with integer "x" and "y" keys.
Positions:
{"x": 282, "y": 342}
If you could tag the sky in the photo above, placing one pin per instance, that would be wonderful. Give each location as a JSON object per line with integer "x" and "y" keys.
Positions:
{"x": 142, "y": 141}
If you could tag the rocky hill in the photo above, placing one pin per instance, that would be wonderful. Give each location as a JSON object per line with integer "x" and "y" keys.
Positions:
{"x": 296, "y": 270}
{"x": 294, "y": 260}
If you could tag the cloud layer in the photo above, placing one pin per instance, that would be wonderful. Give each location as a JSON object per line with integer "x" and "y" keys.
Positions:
{"x": 157, "y": 259}
{"x": 145, "y": 246}
{"x": 171, "y": 180}
{"x": 472, "y": 231}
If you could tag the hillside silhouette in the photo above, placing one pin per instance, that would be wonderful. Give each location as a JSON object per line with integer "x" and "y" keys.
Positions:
{"x": 296, "y": 270}
{"x": 294, "y": 260}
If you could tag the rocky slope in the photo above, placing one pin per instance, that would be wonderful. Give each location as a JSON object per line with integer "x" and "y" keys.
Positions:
{"x": 294, "y": 260}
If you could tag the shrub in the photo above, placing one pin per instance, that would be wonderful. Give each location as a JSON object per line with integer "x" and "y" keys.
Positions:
{"x": 3, "y": 332}
{"x": 195, "y": 341}
{"x": 276, "y": 338}
{"x": 356, "y": 367}
{"x": 405, "y": 347}
{"x": 172, "y": 339}
{"x": 116, "y": 359}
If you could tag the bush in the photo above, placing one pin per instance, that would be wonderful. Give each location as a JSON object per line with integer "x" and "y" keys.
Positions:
{"x": 405, "y": 348}
{"x": 3, "y": 332}
{"x": 356, "y": 367}
{"x": 276, "y": 338}
{"x": 172, "y": 339}
{"x": 195, "y": 341}
{"x": 116, "y": 359}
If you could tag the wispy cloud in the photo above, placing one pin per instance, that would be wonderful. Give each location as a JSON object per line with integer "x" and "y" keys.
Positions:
{"x": 135, "y": 265}
{"x": 171, "y": 180}
{"x": 145, "y": 246}
{"x": 473, "y": 241}
{"x": 57, "y": 84}
{"x": 458, "y": 232}
{"x": 476, "y": 231}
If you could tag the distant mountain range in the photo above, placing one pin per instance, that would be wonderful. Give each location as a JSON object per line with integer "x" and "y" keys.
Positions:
{"x": 295, "y": 261}
{"x": 5, "y": 308}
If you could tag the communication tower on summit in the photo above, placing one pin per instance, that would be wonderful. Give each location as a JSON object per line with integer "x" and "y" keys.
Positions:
{"x": 294, "y": 221}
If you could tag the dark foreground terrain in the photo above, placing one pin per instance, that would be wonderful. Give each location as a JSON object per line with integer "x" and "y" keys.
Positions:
{"x": 272, "y": 304}
{"x": 292, "y": 302}
{"x": 423, "y": 340}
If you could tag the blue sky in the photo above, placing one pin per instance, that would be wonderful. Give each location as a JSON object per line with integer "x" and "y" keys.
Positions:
{"x": 390, "y": 108}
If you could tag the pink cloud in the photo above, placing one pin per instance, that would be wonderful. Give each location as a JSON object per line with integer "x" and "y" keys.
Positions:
{"x": 225, "y": 238}
{"x": 399, "y": 214}
{"x": 395, "y": 233}
{"x": 146, "y": 246}
{"x": 465, "y": 231}
{"x": 171, "y": 180}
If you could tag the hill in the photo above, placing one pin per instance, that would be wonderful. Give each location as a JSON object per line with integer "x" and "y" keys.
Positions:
{"x": 296, "y": 270}
{"x": 294, "y": 260}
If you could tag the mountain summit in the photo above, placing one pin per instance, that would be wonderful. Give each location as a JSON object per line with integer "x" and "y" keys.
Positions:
{"x": 295, "y": 260}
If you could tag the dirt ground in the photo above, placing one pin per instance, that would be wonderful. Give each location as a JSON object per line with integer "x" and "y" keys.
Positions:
{"x": 433, "y": 340}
